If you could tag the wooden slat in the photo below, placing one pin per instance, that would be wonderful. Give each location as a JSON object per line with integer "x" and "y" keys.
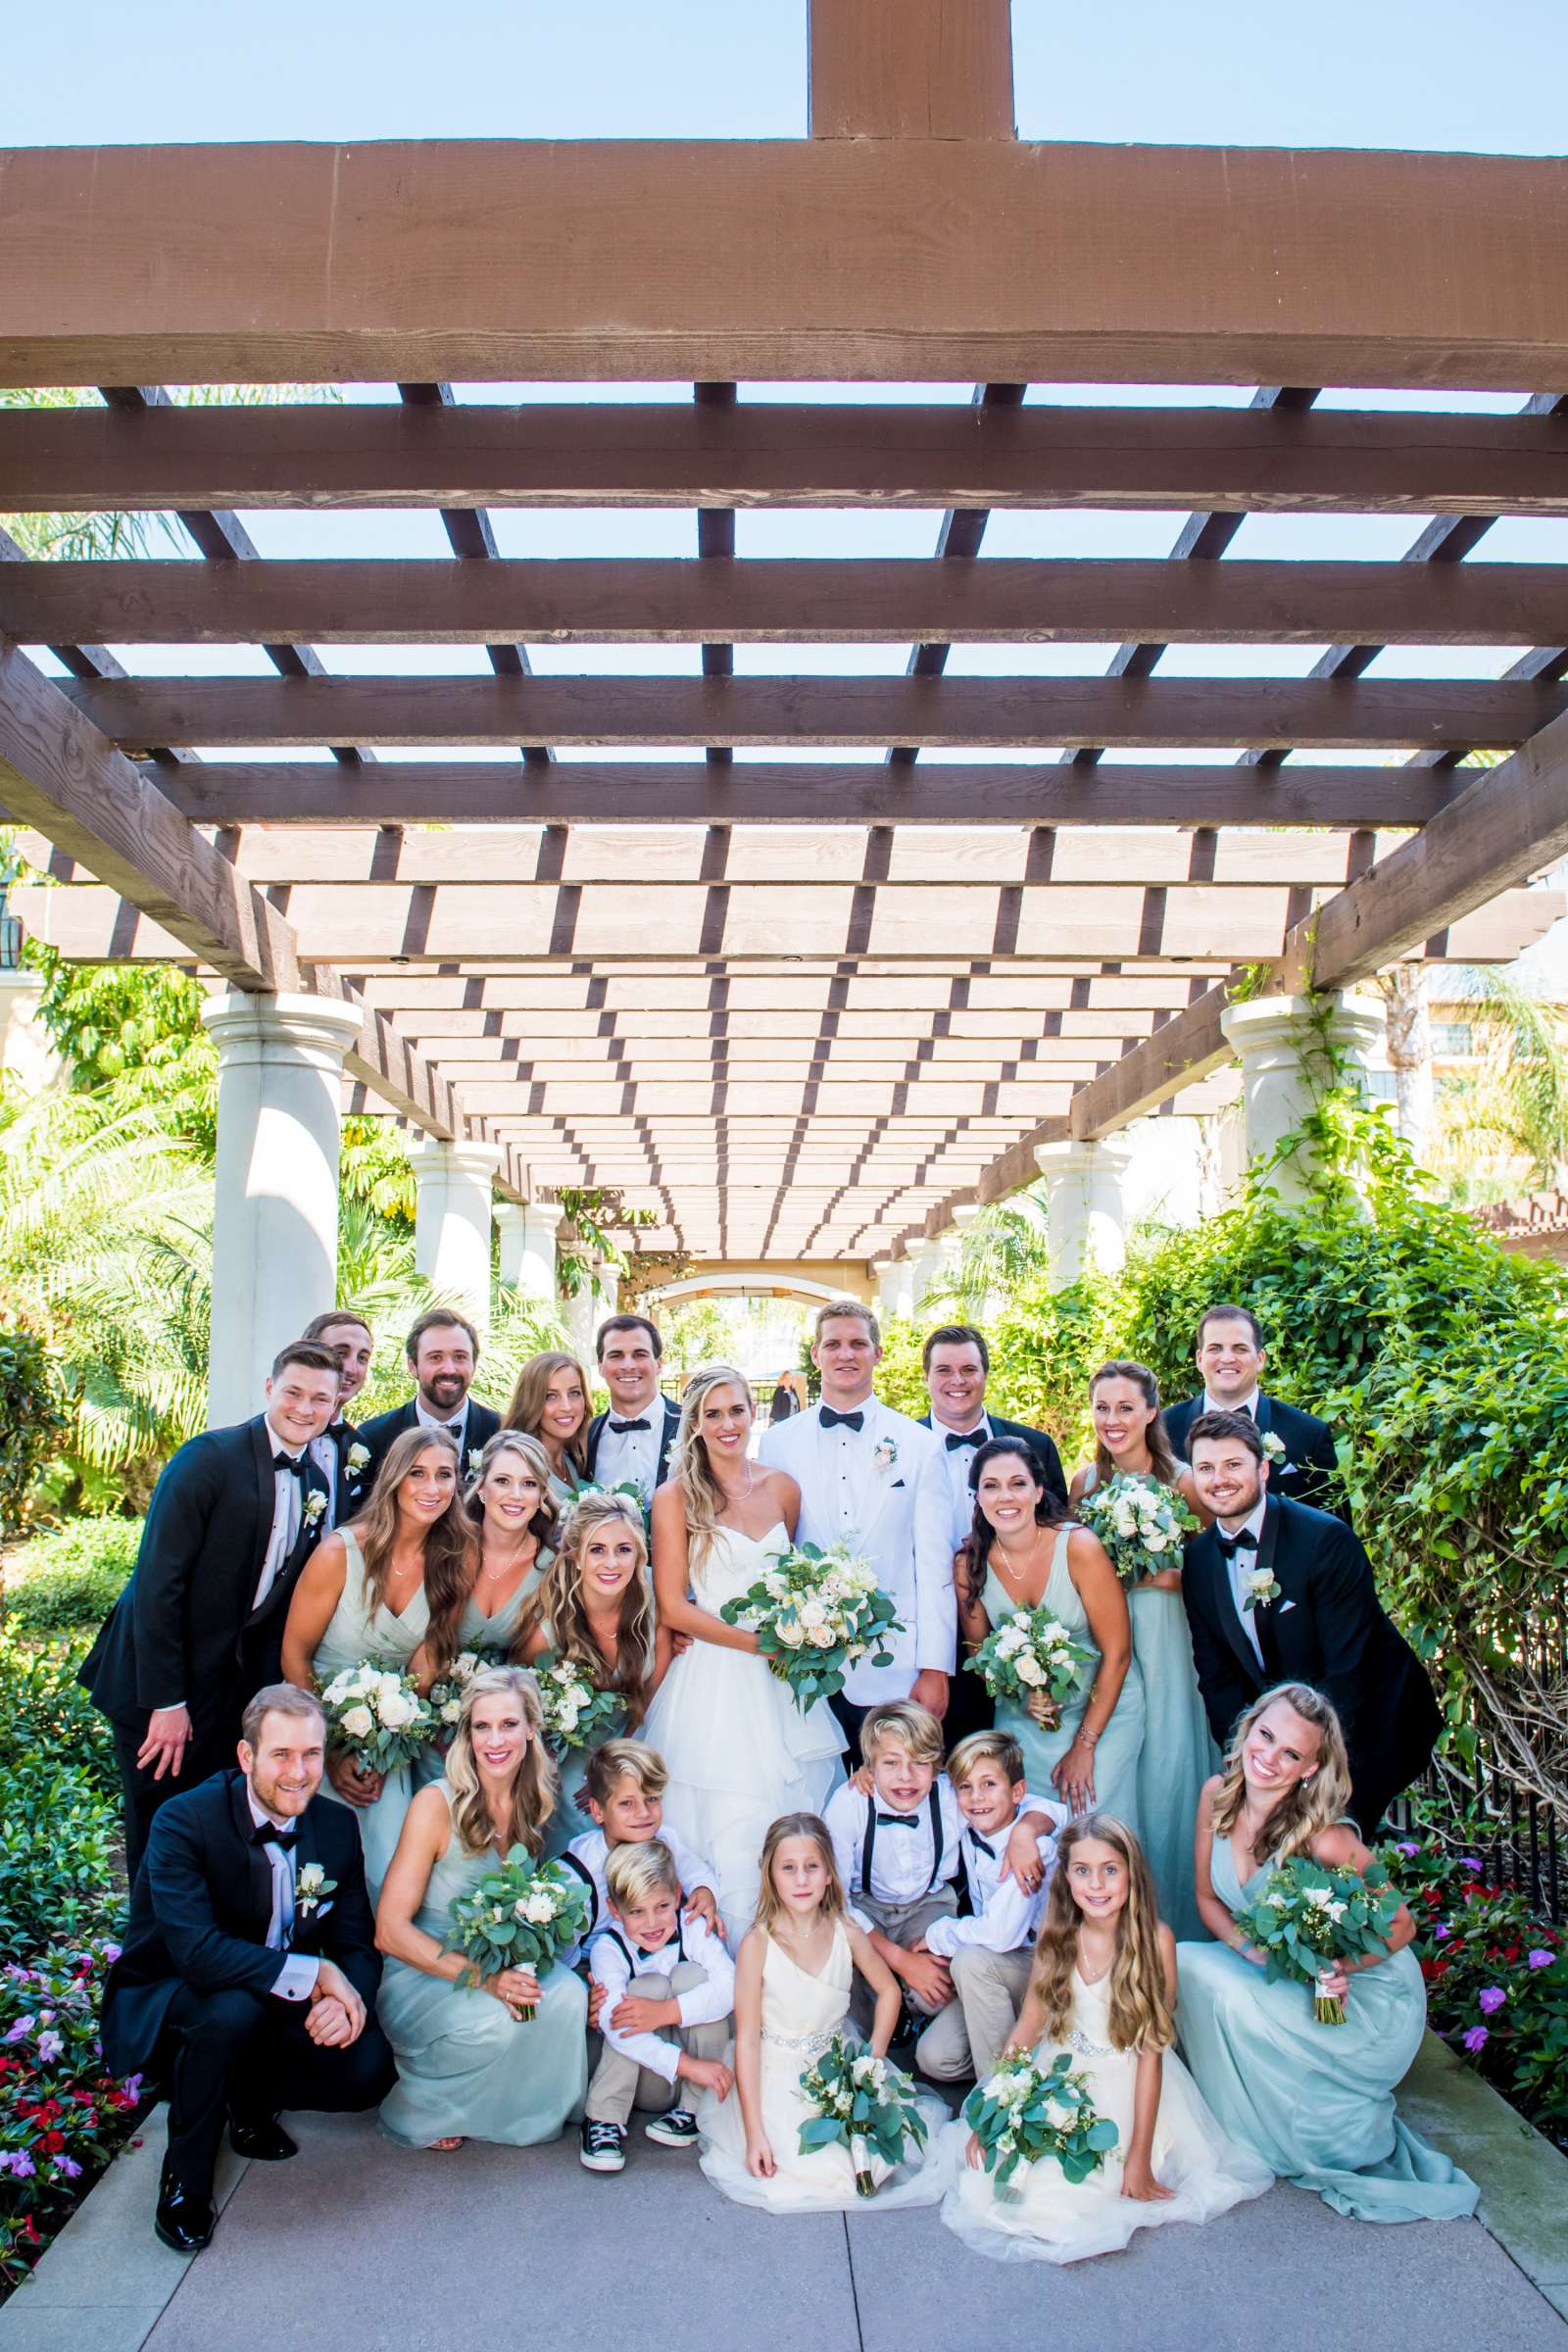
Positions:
{"x": 626, "y": 601}
{"x": 833, "y": 258}
{"x": 832, "y": 453}
{"x": 911, "y": 69}
{"x": 962, "y": 712}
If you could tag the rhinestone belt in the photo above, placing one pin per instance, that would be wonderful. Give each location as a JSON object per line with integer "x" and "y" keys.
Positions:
{"x": 1077, "y": 2039}
{"x": 812, "y": 2045}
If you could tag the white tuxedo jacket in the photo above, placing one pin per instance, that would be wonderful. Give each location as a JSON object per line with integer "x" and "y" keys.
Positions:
{"x": 902, "y": 1524}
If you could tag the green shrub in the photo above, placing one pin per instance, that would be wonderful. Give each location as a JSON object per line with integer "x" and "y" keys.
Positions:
{"x": 60, "y": 2116}
{"x": 70, "y": 1578}
{"x": 30, "y": 1419}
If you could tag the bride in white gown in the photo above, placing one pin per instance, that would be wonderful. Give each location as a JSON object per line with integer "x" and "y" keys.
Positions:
{"x": 739, "y": 1750}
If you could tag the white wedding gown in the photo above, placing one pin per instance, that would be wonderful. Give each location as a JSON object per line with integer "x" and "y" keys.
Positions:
{"x": 739, "y": 1750}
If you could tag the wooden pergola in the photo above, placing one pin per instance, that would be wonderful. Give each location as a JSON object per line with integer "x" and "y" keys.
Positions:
{"x": 803, "y": 1008}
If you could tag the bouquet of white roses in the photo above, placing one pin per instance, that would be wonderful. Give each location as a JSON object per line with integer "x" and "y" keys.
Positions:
{"x": 445, "y": 1701}
{"x": 575, "y": 1711}
{"x": 522, "y": 1914}
{"x": 1308, "y": 1917}
{"x": 865, "y": 2102}
{"x": 816, "y": 1614}
{"x": 376, "y": 1714}
{"x": 1031, "y": 1659}
{"x": 1025, "y": 2111}
{"x": 1140, "y": 1522}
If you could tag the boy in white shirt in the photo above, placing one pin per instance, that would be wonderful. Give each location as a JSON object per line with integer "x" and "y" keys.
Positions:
{"x": 991, "y": 1953}
{"x": 625, "y": 1793}
{"x": 668, "y": 1988}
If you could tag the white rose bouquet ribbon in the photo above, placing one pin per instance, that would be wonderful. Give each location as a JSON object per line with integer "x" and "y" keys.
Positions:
{"x": 1031, "y": 1660}
{"x": 816, "y": 1614}
{"x": 1308, "y": 1918}
{"x": 376, "y": 1715}
{"x": 1024, "y": 2111}
{"x": 868, "y": 2103}
{"x": 1141, "y": 1523}
{"x": 574, "y": 1710}
{"x": 522, "y": 1914}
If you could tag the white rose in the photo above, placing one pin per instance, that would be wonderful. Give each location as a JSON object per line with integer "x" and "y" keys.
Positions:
{"x": 567, "y": 1715}
{"x": 357, "y": 1721}
{"x": 823, "y": 1637}
{"x": 1154, "y": 1540}
{"x": 399, "y": 1711}
{"x": 789, "y": 1634}
{"x": 467, "y": 1663}
{"x": 452, "y": 1710}
{"x": 387, "y": 1684}
{"x": 1030, "y": 1671}
{"x": 538, "y": 1908}
{"x": 812, "y": 1614}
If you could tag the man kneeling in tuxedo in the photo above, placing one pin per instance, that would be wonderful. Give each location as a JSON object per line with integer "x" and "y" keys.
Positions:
{"x": 249, "y": 1972}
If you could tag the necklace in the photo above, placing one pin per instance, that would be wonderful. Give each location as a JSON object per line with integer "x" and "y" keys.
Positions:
{"x": 1100, "y": 1974}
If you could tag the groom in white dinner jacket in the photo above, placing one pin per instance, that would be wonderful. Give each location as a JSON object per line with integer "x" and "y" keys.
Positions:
{"x": 878, "y": 1480}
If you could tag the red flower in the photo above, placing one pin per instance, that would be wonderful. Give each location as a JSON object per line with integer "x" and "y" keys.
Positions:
{"x": 52, "y": 2142}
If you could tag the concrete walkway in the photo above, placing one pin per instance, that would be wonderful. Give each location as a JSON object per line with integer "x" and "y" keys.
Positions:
{"x": 359, "y": 2246}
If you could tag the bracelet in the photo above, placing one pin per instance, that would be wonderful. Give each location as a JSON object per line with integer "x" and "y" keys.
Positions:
{"x": 1089, "y": 1740}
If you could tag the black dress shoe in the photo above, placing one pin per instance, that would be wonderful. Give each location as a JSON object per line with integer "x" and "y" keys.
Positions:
{"x": 183, "y": 2221}
{"x": 261, "y": 2137}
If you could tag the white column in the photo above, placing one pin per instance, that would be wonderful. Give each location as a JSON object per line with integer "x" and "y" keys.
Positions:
{"x": 927, "y": 1272}
{"x": 1291, "y": 1049}
{"x": 275, "y": 1192}
{"x": 895, "y": 1286}
{"x": 1084, "y": 1209}
{"x": 26, "y": 1048}
{"x": 528, "y": 1246}
{"x": 452, "y": 1221}
{"x": 582, "y": 1313}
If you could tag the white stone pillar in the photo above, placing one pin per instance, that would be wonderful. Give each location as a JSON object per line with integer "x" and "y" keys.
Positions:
{"x": 1288, "y": 1047}
{"x": 895, "y": 1286}
{"x": 528, "y": 1246}
{"x": 275, "y": 1192}
{"x": 582, "y": 1313}
{"x": 1084, "y": 1208}
{"x": 27, "y": 1050}
{"x": 927, "y": 1271}
{"x": 452, "y": 1220}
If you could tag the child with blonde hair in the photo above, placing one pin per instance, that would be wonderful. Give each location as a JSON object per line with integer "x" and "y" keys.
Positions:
{"x": 623, "y": 1792}
{"x": 1103, "y": 1990}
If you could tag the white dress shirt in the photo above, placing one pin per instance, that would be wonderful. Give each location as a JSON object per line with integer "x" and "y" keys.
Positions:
{"x": 296, "y": 1979}
{"x": 901, "y": 1856}
{"x": 324, "y": 1453}
{"x": 846, "y": 1455}
{"x": 705, "y": 2004}
{"x": 630, "y": 1454}
{"x": 1246, "y": 1405}
{"x": 289, "y": 1507}
{"x": 1004, "y": 1917}
{"x": 1240, "y": 1567}
{"x": 959, "y": 1462}
{"x": 591, "y": 1851}
{"x": 456, "y": 1425}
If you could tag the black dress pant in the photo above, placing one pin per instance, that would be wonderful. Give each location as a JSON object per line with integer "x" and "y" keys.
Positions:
{"x": 141, "y": 1795}
{"x": 249, "y": 2054}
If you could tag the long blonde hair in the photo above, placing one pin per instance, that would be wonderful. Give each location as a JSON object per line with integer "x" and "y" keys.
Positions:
{"x": 705, "y": 1496}
{"x": 769, "y": 1902}
{"x": 561, "y": 1604}
{"x": 1315, "y": 1804}
{"x": 1140, "y": 2013}
{"x": 534, "y": 1791}
{"x": 449, "y": 1545}
{"x": 526, "y": 1411}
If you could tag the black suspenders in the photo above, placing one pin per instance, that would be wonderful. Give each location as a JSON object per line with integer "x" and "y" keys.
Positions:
{"x": 635, "y": 1964}
{"x": 868, "y": 1843}
{"x": 570, "y": 1862}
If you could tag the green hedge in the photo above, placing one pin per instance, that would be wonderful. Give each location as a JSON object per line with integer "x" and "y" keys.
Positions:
{"x": 70, "y": 1580}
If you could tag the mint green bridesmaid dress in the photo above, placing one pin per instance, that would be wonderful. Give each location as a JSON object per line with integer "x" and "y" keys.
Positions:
{"x": 494, "y": 1637}
{"x": 1315, "y": 2102}
{"x": 466, "y": 2066}
{"x": 356, "y": 1633}
{"x": 1120, "y": 1744}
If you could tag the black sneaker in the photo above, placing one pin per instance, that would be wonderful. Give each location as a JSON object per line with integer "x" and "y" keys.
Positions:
{"x": 604, "y": 2146}
{"x": 674, "y": 2129}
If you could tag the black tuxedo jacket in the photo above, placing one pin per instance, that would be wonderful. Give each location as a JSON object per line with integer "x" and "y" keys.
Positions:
{"x": 1043, "y": 1445}
{"x": 378, "y": 1433}
{"x": 1310, "y": 1470}
{"x": 353, "y": 1485}
{"x": 1327, "y": 1628}
{"x": 671, "y": 1412}
{"x": 202, "y": 1904}
{"x": 185, "y": 1629}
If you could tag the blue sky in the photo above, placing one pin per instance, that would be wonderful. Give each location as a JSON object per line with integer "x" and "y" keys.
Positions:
{"x": 1447, "y": 73}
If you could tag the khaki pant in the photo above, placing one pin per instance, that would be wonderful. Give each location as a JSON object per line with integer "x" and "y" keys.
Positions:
{"x": 619, "y": 2083}
{"x": 967, "y": 2037}
{"x": 904, "y": 1924}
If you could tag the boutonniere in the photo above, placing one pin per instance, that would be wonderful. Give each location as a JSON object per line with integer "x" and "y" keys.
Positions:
{"x": 476, "y": 1457}
{"x": 885, "y": 1453}
{"x": 311, "y": 1887}
{"x": 315, "y": 1505}
{"x": 1260, "y": 1584}
{"x": 1274, "y": 1447}
{"x": 357, "y": 1458}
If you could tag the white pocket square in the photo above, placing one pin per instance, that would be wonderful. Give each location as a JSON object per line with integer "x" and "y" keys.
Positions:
{"x": 1284, "y": 1607}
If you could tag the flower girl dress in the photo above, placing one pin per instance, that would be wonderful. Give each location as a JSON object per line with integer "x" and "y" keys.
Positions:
{"x": 1043, "y": 2216}
{"x": 801, "y": 2014}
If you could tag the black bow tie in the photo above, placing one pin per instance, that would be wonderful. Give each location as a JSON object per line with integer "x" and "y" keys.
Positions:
{"x": 975, "y": 1839}
{"x": 1230, "y": 1546}
{"x": 293, "y": 1463}
{"x": 955, "y": 1444}
{"x": 833, "y": 1420}
{"x": 898, "y": 1821}
{"x": 264, "y": 1833}
{"x": 623, "y": 1429}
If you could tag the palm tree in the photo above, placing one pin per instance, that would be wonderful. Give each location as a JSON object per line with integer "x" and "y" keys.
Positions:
{"x": 1507, "y": 1118}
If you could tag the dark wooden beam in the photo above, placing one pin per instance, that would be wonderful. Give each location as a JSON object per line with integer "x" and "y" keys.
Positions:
{"x": 911, "y": 69}
{"x": 715, "y": 600}
{"x": 411, "y": 792}
{"x": 960, "y": 713}
{"x": 765, "y": 260}
{"x": 833, "y": 453}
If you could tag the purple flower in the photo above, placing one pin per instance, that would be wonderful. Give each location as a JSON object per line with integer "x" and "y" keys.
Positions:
{"x": 67, "y": 2168}
{"x": 110, "y": 1953}
{"x": 1468, "y": 1862}
{"x": 50, "y": 2046}
{"x": 1405, "y": 1846}
{"x": 1539, "y": 1958}
{"x": 133, "y": 2086}
{"x": 1475, "y": 2042}
{"x": 22, "y": 2029}
{"x": 1491, "y": 1998}
{"x": 1441, "y": 1930}
{"x": 19, "y": 2163}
